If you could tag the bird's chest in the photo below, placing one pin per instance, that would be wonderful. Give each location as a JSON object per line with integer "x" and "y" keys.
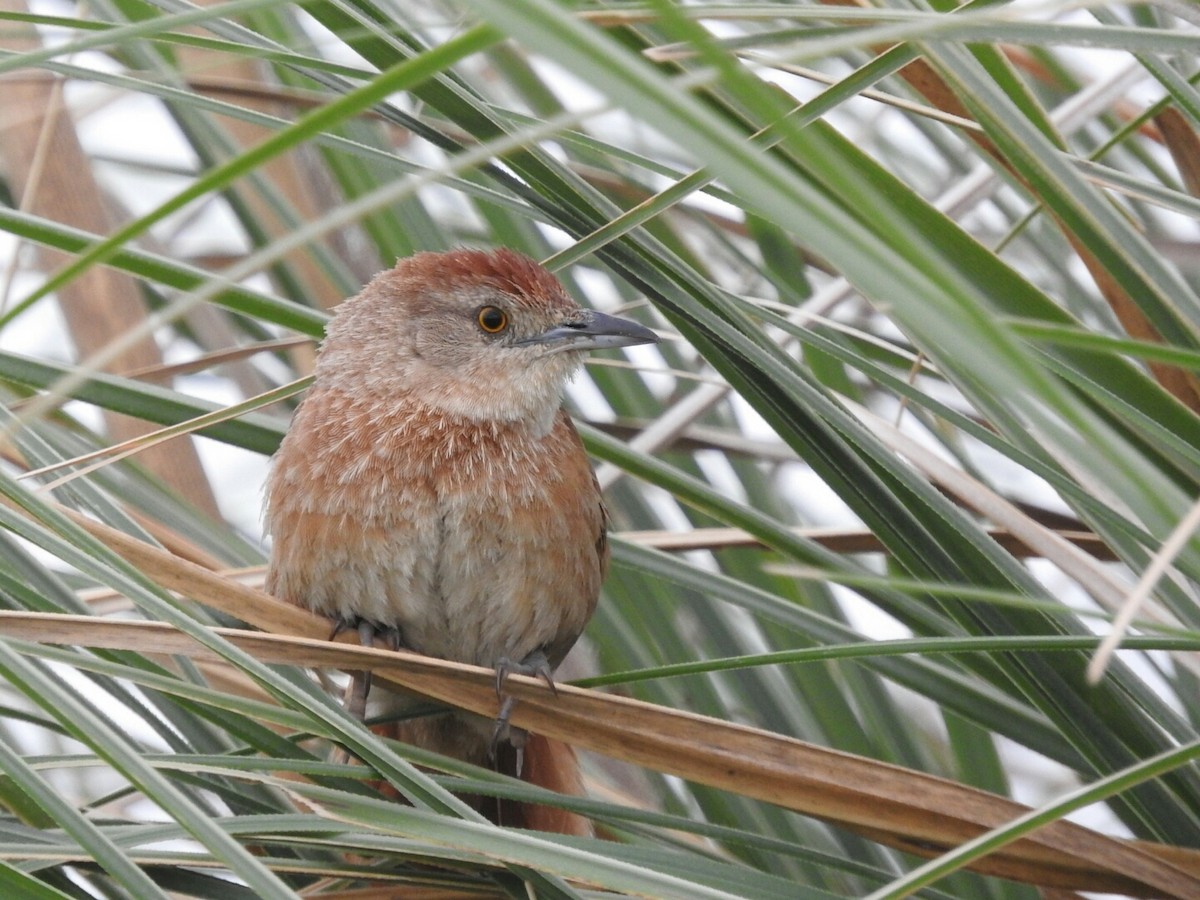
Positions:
{"x": 478, "y": 543}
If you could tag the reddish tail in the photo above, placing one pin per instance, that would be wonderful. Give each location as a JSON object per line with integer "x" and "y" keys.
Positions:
{"x": 547, "y": 763}
{"x": 552, "y": 765}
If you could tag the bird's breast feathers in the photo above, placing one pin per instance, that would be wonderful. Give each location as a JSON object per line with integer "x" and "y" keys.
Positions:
{"x": 480, "y": 540}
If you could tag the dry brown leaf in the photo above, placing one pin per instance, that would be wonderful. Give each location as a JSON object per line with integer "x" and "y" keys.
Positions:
{"x": 840, "y": 540}
{"x": 1181, "y": 139}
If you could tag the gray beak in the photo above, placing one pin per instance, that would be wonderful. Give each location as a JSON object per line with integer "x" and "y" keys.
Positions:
{"x": 594, "y": 331}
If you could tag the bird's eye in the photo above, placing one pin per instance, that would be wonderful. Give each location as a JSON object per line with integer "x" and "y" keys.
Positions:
{"x": 492, "y": 319}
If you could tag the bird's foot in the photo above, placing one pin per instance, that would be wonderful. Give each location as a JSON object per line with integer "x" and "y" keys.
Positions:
{"x": 368, "y": 631}
{"x": 535, "y": 665}
{"x": 355, "y": 699}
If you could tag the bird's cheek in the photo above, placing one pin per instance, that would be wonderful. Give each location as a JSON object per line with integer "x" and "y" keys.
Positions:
{"x": 425, "y": 345}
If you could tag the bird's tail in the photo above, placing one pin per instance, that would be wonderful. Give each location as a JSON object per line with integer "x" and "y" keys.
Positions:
{"x": 552, "y": 765}
{"x": 545, "y": 763}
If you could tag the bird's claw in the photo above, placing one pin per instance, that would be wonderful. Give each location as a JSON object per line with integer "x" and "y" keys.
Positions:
{"x": 535, "y": 665}
{"x": 367, "y": 630}
{"x": 360, "y": 682}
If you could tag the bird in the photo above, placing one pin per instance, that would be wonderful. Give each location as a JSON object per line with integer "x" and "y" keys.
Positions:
{"x": 432, "y": 493}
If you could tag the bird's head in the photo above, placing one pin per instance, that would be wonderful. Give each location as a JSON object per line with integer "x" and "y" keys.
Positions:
{"x": 483, "y": 335}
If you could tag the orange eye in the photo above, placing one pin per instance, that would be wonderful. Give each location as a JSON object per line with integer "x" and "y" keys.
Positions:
{"x": 492, "y": 319}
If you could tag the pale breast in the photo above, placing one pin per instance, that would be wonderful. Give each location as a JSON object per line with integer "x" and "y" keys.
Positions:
{"x": 479, "y": 542}
{"x": 522, "y": 556}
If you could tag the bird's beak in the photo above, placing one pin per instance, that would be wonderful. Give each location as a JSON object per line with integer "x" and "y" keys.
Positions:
{"x": 594, "y": 331}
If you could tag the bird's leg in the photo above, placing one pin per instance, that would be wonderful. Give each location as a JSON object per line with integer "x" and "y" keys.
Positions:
{"x": 535, "y": 665}
{"x": 355, "y": 699}
{"x": 515, "y": 737}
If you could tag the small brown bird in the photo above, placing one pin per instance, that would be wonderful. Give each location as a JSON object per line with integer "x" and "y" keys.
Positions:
{"x": 431, "y": 489}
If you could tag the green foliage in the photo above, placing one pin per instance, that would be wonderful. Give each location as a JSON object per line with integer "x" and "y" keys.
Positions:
{"x": 891, "y": 250}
